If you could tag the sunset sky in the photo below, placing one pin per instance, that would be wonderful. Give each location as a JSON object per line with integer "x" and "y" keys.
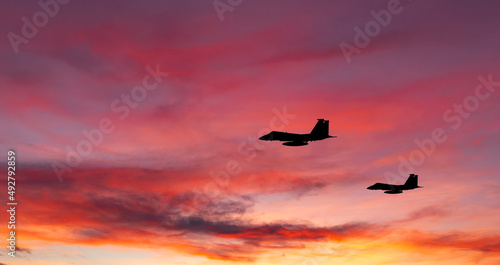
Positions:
{"x": 135, "y": 127}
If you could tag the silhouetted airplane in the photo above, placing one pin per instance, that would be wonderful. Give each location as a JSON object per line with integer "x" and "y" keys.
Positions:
{"x": 319, "y": 132}
{"x": 411, "y": 183}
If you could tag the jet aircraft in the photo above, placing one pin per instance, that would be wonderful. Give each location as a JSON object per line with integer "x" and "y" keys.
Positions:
{"x": 319, "y": 132}
{"x": 411, "y": 183}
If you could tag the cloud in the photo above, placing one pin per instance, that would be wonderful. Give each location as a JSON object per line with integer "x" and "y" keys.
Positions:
{"x": 23, "y": 250}
{"x": 432, "y": 212}
{"x": 459, "y": 240}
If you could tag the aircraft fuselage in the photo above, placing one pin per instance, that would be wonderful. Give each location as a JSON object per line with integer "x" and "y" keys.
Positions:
{"x": 410, "y": 184}
{"x": 284, "y": 136}
{"x": 319, "y": 132}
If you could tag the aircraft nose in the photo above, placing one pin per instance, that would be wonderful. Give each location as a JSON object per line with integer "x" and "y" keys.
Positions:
{"x": 266, "y": 137}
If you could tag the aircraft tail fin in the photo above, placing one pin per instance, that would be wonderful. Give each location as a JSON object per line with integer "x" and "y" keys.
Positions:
{"x": 412, "y": 181}
{"x": 321, "y": 128}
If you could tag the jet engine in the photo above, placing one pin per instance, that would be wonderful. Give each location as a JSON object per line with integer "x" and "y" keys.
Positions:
{"x": 393, "y": 191}
{"x": 294, "y": 143}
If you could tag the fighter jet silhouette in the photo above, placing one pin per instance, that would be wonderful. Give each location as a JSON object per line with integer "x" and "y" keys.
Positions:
{"x": 319, "y": 132}
{"x": 411, "y": 183}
